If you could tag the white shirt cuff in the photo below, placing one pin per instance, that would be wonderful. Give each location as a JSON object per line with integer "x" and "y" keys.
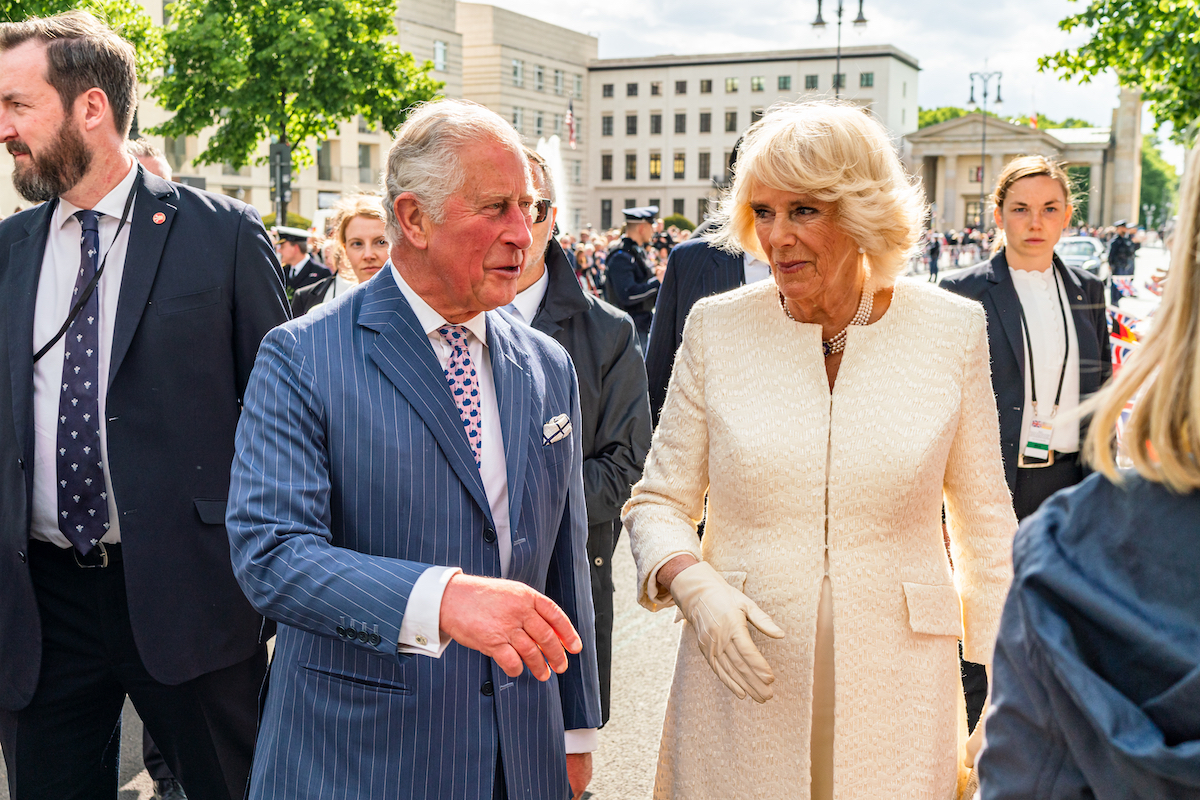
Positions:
{"x": 583, "y": 740}
{"x": 420, "y": 630}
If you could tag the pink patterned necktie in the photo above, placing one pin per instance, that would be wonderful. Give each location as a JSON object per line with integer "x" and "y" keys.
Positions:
{"x": 464, "y": 386}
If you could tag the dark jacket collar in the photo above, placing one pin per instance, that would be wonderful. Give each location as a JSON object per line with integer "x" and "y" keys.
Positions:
{"x": 564, "y": 296}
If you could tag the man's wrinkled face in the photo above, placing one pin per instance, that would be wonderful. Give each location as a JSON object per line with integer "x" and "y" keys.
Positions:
{"x": 49, "y": 154}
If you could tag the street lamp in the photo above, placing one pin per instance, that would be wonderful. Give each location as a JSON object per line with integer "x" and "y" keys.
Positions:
{"x": 819, "y": 23}
{"x": 984, "y": 78}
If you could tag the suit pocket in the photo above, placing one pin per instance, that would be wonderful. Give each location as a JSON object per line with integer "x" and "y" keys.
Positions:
{"x": 212, "y": 512}
{"x": 188, "y": 302}
{"x": 935, "y": 610}
{"x": 352, "y": 681}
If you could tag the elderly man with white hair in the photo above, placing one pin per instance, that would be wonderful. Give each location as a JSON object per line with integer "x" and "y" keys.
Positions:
{"x": 407, "y": 503}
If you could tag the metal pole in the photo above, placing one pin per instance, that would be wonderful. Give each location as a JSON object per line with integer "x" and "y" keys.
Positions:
{"x": 837, "y": 71}
{"x": 983, "y": 157}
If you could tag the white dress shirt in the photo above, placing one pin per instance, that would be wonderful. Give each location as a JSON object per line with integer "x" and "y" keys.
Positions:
{"x": 56, "y": 285}
{"x": 756, "y": 270}
{"x": 1036, "y": 290}
{"x": 295, "y": 271}
{"x": 422, "y": 616}
{"x": 528, "y": 302}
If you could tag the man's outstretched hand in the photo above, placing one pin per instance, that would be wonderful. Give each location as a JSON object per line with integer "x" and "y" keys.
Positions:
{"x": 509, "y": 622}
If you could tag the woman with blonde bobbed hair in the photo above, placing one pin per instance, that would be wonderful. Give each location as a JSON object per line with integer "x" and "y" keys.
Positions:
{"x": 815, "y": 421}
{"x": 1097, "y": 680}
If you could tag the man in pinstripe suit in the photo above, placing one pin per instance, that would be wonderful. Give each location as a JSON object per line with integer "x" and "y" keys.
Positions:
{"x": 407, "y": 502}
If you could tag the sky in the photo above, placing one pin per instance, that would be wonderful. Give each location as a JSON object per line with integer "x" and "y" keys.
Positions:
{"x": 949, "y": 38}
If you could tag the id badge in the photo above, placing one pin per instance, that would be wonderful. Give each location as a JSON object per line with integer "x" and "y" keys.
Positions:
{"x": 1041, "y": 430}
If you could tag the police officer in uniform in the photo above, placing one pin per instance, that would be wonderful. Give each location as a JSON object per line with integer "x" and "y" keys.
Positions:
{"x": 632, "y": 284}
{"x": 1121, "y": 252}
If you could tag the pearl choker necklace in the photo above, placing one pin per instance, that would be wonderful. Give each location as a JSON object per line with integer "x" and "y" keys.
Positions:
{"x": 838, "y": 343}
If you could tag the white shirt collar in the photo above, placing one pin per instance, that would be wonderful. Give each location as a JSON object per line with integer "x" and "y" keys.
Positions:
{"x": 431, "y": 320}
{"x": 529, "y": 300}
{"x": 111, "y": 205}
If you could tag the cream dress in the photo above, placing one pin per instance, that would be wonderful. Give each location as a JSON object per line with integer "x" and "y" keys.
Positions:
{"x": 750, "y": 421}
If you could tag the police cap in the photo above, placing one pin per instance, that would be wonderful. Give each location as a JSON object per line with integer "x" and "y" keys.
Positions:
{"x": 643, "y": 214}
{"x": 287, "y": 234}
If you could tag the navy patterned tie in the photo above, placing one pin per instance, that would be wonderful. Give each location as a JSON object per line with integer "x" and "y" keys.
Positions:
{"x": 82, "y": 498}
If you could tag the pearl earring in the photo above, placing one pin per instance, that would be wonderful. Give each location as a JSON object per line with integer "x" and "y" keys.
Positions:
{"x": 861, "y": 250}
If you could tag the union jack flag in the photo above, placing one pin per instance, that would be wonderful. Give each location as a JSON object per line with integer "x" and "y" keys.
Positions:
{"x": 1124, "y": 284}
{"x": 1122, "y": 349}
{"x": 570, "y": 120}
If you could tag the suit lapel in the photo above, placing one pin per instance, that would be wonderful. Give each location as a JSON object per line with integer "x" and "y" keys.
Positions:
{"x": 1081, "y": 316}
{"x": 19, "y": 288}
{"x": 514, "y": 390}
{"x": 146, "y": 241}
{"x": 402, "y": 352}
{"x": 1008, "y": 307}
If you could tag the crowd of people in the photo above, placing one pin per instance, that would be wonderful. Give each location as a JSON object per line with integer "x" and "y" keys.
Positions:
{"x": 405, "y": 451}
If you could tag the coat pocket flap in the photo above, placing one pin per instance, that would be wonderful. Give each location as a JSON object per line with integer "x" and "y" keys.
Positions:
{"x": 933, "y": 609}
{"x": 735, "y": 579}
{"x": 212, "y": 512}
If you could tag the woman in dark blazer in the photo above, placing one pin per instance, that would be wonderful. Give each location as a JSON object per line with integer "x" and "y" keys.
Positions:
{"x": 1028, "y": 294}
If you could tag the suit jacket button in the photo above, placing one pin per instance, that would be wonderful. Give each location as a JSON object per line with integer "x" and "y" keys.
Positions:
{"x": 487, "y": 688}
{"x": 375, "y": 639}
{"x": 21, "y": 555}
{"x": 21, "y": 463}
{"x": 599, "y": 562}
{"x": 363, "y": 636}
{"x": 341, "y": 631}
{"x": 489, "y": 535}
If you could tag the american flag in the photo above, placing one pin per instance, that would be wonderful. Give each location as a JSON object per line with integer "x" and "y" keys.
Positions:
{"x": 570, "y": 120}
{"x": 1124, "y": 285}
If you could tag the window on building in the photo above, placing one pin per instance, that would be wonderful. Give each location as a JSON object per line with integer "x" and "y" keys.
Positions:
{"x": 677, "y": 206}
{"x": 758, "y": 83}
{"x": 631, "y": 166}
{"x": 606, "y": 125}
{"x": 539, "y": 78}
{"x": 631, "y": 90}
{"x": 518, "y": 72}
{"x": 228, "y": 168}
{"x": 558, "y": 81}
{"x": 706, "y": 122}
{"x": 439, "y": 56}
{"x": 656, "y": 123}
{"x": 606, "y": 166}
{"x": 731, "y": 85}
{"x": 704, "y": 165}
{"x": 680, "y": 87}
{"x": 607, "y": 90}
{"x": 811, "y": 82}
{"x": 728, "y": 165}
{"x": 558, "y": 121}
{"x": 706, "y": 86}
{"x": 364, "y": 126}
{"x": 681, "y": 123}
{"x": 866, "y": 80}
{"x": 785, "y": 83}
{"x": 679, "y": 165}
{"x": 577, "y": 91}
{"x": 577, "y": 171}
{"x": 539, "y": 124}
{"x": 605, "y": 214}
{"x": 176, "y": 152}
{"x": 655, "y": 166}
{"x": 701, "y": 209}
{"x": 365, "y": 173}
{"x": 839, "y": 80}
{"x": 731, "y": 122}
{"x": 654, "y": 201}
{"x": 631, "y": 202}
{"x": 631, "y": 124}
{"x": 518, "y": 118}
{"x": 325, "y": 161}
{"x": 755, "y": 115}
{"x": 655, "y": 88}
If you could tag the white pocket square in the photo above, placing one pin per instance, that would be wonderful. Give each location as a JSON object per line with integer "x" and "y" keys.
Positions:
{"x": 557, "y": 429}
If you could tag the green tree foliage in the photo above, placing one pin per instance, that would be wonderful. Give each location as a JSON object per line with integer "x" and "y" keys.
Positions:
{"x": 288, "y": 69}
{"x": 932, "y": 116}
{"x": 679, "y": 221}
{"x": 1160, "y": 184}
{"x": 126, "y": 17}
{"x": 1153, "y": 45}
{"x": 1045, "y": 123}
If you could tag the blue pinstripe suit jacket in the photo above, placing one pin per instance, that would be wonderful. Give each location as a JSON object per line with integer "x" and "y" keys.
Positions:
{"x": 353, "y": 474}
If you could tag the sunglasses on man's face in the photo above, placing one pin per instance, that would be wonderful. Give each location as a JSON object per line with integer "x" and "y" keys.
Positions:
{"x": 541, "y": 211}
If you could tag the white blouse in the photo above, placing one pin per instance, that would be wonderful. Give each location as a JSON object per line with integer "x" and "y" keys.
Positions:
{"x": 1036, "y": 290}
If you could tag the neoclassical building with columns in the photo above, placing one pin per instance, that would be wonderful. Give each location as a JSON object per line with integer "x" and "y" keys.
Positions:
{"x": 1105, "y": 164}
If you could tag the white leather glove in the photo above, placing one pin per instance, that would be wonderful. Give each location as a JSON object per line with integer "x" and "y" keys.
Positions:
{"x": 719, "y": 613}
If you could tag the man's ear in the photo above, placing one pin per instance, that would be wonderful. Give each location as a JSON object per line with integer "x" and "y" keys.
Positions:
{"x": 94, "y": 108}
{"x": 414, "y": 222}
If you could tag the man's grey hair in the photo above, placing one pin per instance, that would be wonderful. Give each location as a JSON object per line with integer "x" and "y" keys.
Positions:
{"x": 425, "y": 161}
{"x": 143, "y": 151}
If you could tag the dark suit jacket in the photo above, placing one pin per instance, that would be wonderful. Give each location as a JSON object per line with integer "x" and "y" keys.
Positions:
{"x": 199, "y": 292}
{"x": 695, "y": 270}
{"x": 309, "y": 297}
{"x": 313, "y": 271}
{"x": 991, "y": 284}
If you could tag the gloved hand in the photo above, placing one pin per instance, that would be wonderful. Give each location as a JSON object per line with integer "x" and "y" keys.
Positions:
{"x": 719, "y": 613}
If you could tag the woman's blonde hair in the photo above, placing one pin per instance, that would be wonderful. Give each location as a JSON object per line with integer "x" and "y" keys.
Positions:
{"x": 1162, "y": 435}
{"x": 356, "y": 205}
{"x": 837, "y": 153}
{"x": 1026, "y": 167}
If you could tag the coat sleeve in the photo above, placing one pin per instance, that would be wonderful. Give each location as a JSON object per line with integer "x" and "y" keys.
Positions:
{"x": 278, "y": 515}
{"x": 660, "y": 351}
{"x": 668, "y": 502}
{"x": 569, "y": 584}
{"x": 979, "y": 508}
{"x": 623, "y": 283}
{"x": 622, "y": 430}
{"x": 259, "y": 299}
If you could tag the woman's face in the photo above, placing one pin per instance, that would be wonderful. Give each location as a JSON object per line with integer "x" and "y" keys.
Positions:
{"x": 1034, "y": 215}
{"x": 366, "y": 248}
{"x": 812, "y": 259}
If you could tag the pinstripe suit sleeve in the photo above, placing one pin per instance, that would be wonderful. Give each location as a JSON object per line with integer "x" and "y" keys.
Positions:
{"x": 568, "y": 583}
{"x": 278, "y": 516}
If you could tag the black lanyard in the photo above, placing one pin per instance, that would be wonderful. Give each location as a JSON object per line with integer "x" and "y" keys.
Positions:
{"x": 91, "y": 287}
{"x": 1029, "y": 347}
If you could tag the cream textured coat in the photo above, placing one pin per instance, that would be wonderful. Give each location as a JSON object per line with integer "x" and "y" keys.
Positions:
{"x": 749, "y": 419}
